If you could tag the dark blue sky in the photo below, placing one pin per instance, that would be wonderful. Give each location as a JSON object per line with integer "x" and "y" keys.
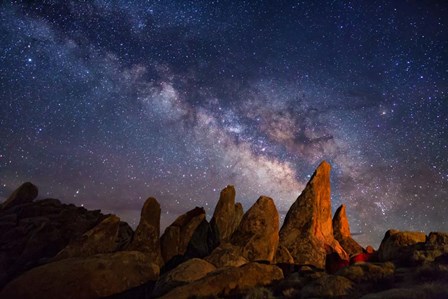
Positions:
{"x": 105, "y": 103}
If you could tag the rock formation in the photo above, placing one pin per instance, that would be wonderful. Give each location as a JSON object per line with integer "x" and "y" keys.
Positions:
{"x": 26, "y": 193}
{"x": 227, "y": 214}
{"x": 341, "y": 232}
{"x": 84, "y": 278}
{"x": 397, "y": 245}
{"x": 53, "y": 250}
{"x": 255, "y": 239}
{"x": 147, "y": 234}
{"x": 103, "y": 238}
{"x": 32, "y": 232}
{"x": 307, "y": 231}
{"x": 177, "y": 236}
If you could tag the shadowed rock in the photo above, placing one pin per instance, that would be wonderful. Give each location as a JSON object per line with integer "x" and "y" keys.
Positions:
{"x": 33, "y": 232}
{"x": 255, "y": 239}
{"x": 27, "y": 192}
{"x": 84, "y": 278}
{"x": 227, "y": 214}
{"x": 103, "y": 238}
{"x": 341, "y": 232}
{"x": 189, "y": 271}
{"x": 399, "y": 245}
{"x": 229, "y": 281}
{"x": 177, "y": 236}
{"x": 147, "y": 234}
{"x": 307, "y": 231}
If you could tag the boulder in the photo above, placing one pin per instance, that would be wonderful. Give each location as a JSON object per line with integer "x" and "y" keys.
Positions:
{"x": 256, "y": 238}
{"x": 327, "y": 286}
{"x": 341, "y": 232}
{"x": 399, "y": 245}
{"x": 436, "y": 245}
{"x": 84, "y": 278}
{"x": 229, "y": 281}
{"x": 307, "y": 231}
{"x": 191, "y": 270}
{"x": 103, "y": 238}
{"x": 177, "y": 236}
{"x": 147, "y": 234}
{"x": 227, "y": 214}
{"x": 26, "y": 193}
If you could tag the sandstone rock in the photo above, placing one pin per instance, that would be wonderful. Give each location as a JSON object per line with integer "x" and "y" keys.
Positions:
{"x": 84, "y": 278}
{"x": 307, "y": 231}
{"x": 398, "y": 245}
{"x": 147, "y": 234}
{"x": 177, "y": 236}
{"x": 341, "y": 232}
{"x": 227, "y": 214}
{"x": 27, "y": 192}
{"x": 229, "y": 281}
{"x": 327, "y": 286}
{"x": 192, "y": 270}
{"x": 100, "y": 239}
{"x": 256, "y": 238}
{"x": 283, "y": 256}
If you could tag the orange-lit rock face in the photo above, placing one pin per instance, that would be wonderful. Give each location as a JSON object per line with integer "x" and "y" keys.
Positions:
{"x": 308, "y": 231}
{"x": 341, "y": 231}
{"x": 256, "y": 238}
{"x": 147, "y": 235}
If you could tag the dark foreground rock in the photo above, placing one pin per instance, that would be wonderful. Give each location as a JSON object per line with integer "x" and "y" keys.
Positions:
{"x": 229, "y": 281}
{"x": 84, "y": 278}
{"x": 33, "y": 232}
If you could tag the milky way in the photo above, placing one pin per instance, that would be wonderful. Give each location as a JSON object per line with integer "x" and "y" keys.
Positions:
{"x": 104, "y": 104}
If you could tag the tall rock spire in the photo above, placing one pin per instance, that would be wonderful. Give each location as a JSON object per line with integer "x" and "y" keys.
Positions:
{"x": 307, "y": 231}
{"x": 341, "y": 231}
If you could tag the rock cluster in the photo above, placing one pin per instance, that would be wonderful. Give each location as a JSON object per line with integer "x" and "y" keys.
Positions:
{"x": 52, "y": 250}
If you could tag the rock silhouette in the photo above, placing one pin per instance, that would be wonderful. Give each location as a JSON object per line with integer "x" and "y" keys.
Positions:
{"x": 227, "y": 214}
{"x": 147, "y": 234}
{"x": 53, "y": 250}
{"x": 341, "y": 232}
{"x": 307, "y": 231}
{"x": 26, "y": 193}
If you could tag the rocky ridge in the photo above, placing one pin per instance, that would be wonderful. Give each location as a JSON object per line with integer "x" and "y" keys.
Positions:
{"x": 53, "y": 250}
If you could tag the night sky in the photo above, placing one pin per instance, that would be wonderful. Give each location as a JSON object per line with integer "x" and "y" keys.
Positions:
{"x": 106, "y": 103}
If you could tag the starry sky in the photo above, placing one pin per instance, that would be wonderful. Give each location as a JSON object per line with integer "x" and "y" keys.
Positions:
{"x": 105, "y": 103}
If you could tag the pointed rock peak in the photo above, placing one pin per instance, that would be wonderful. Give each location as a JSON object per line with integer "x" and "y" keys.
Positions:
{"x": 322, "y": 173}
{"x": 341, "y": 228}
{"x": 227, "y": 214}
{"x": 27, "y": 192}
{"x": 341, "y": 231}
{"x": 147, "y": 234}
